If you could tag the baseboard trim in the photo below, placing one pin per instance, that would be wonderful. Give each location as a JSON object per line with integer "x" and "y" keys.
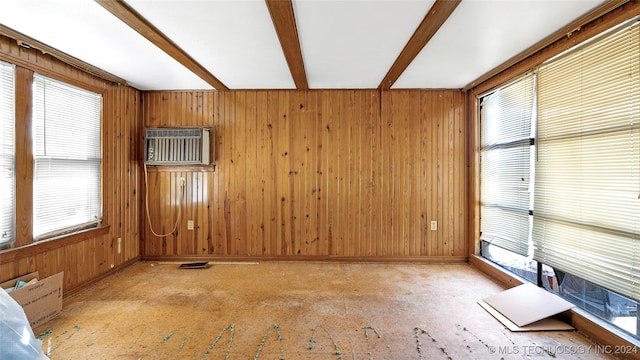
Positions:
{"x": 588, "y": 325}
{"x": 347, "y": 259}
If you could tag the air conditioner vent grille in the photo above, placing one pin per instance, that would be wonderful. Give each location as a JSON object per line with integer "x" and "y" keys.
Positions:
{"x": 177, "y": 146}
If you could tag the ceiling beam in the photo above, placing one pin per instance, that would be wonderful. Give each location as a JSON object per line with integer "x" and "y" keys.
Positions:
{"x": 138, "y": 23}
{"x": 437, "y": 15}
{"x": 285, "y": 23}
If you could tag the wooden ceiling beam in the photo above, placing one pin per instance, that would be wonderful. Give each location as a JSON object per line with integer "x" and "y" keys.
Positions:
{"x": 285, "y": 23}
{"x": 437, "y": 15}
{"x": 138, "y": 23}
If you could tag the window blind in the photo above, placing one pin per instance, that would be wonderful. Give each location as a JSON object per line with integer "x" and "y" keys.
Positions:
{"x": 67, "y": 157}
{"x": 7, "y": 155}
{"x": 505, "y": 156}
{"x": 587, "y": 196}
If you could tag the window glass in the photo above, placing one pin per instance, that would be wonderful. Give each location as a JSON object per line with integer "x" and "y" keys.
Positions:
{"x": 67, "y": 158}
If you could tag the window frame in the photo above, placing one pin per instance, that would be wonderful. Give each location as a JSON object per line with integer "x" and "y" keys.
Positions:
{"x": 12, "y": 236}
{"x": 24, "y": 164}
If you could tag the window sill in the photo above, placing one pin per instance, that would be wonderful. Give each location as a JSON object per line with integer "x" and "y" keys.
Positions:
{"x": 588, "y": 324}
{"x": 21, "y": 252}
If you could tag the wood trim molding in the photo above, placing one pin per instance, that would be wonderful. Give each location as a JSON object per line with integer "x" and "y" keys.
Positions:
{"x": 21, "y": 252}
{"x": 24, "y": 156}
{"x": 36, "y": 64}
{"x": 31, "y": 43}
{"x": 285, "y": 23}
{"x": 437, "y": 15}
{"x": 138, "y": 23}
{"x": 610, "y": 14}
{"x": 346, "y": 259}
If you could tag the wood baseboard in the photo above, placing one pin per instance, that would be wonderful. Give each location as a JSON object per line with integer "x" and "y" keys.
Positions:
{"x": 610, "y": 342}
{"x": 347, "y": 259}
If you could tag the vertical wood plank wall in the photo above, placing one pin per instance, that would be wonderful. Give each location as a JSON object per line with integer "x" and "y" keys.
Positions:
{"x": 82, "y": 258}
{"x": 314, "y": 174}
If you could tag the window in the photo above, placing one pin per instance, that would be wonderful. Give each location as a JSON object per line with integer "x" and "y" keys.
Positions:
{"x": 505, "y": 154}
{"x": 7, "y": 156}
{"x": 587, "y": 198}
{"x": 583, "y": 238}
{"x": 67, "y": 158}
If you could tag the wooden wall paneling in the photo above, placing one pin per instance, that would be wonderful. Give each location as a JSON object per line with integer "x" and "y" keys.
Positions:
{"x": 403, "y": 158}
{"x": 432, "y": 172}
{"x": 413, "y": 136}
{"x": 223, "y": 247}
{"x": 424, "y": 191}
{"x": 441, "y": 180}
{"x": 354, "y": 190}
{"x": 323, "y": 173}
{"x": 150, "y": 218}
{"x": 281, "y": 168}
{"x": 394, "y": 173}
{"x": 225, "y": 223}
{"x": 215, "y": 182}
{"x": 355, "y": 174}
{"x": 261, "y": 158}
{"x": 449, "y": 175}
{"x": 411, "y": 156}
{"x": 272, "y": 223}
{"x": 253, "y": 197}
{"x": 315, "y": 149}
{"x": 372, "y": 179}
{"x": 239, "y": 225}
{"x": 299, "y": 143}
{"x": 365, "y": 184}
{"x": 122, "y": 178}
{"x": 460, "y": 209}
{"x": 347, "y": 173}
{"x": 344, "y": 210}
{"x": 333, "y": 167}
{"x": 135, "y": 143}
{"x": 347, "y": 196}
{"x": 296, "y": 142}
{"x": 384, "y": 175}
{"x": 196, "y": 201}
{"x": 311, "y": 150}
{"x": 214, "y": 185}
{"x": 307, "y": 126}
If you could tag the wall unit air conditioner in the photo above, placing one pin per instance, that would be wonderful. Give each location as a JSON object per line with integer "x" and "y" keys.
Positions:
{"x": 177, "y": 146}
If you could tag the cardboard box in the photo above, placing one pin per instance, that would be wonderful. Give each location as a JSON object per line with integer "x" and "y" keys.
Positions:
{"x": 41, "y": 301}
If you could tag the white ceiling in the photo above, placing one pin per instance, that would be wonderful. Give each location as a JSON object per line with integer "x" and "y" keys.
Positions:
{"x": 345, "y": 43}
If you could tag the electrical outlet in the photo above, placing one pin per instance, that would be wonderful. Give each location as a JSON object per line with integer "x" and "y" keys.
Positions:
{"x": 190, "y": 225}
{"x": 434, "y": 225}
{"x": 119, "y": 245}
{"x": 183, "y": 182}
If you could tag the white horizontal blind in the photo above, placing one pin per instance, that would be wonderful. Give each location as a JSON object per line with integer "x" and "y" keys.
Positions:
{"x": 66, "y": 129}
{"x": 505, "y": 156}
{"x": 587, "y": 196}
{"x": 7, "y": 155}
